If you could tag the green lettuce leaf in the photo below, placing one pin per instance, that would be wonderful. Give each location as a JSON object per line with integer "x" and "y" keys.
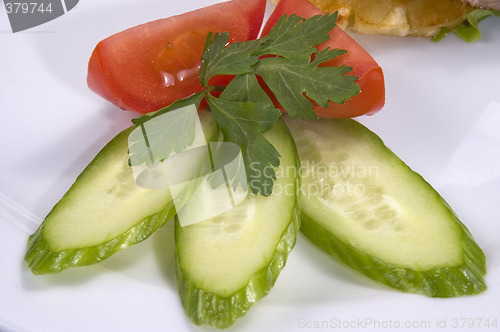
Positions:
{"x": 468, "y": 30}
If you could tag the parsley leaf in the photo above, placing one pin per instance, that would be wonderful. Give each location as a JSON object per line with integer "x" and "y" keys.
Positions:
{"x": 259, "y": 155}
{"x": 293, "y": 36}
{"x": 290, "y": 78}
{"x": 246, "y": 88}
{"x": 243, "y": 122}
{"x": 235, "y": 59}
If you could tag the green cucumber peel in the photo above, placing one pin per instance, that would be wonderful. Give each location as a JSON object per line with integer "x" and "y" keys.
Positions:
{"x": 221, "y": 308}
{"x": 45, "y": 256}
{"x": 223, "y": 311}
{"x": 353, "y": 229}
{"x": 437, "y": 282}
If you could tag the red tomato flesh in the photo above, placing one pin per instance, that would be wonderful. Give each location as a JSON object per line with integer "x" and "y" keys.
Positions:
{"x": 149, "y": 66}
{"x": 370, "y": 75}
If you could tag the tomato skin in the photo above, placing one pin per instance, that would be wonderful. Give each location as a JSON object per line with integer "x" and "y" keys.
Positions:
{"x": 370, "y": 76}
{"x": 149, "y": 66}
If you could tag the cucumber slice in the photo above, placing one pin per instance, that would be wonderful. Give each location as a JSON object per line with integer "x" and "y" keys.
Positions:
{"x": 103, "y": 212}
{"x": 364, "y": 206}
{"x": 227, "y": 263}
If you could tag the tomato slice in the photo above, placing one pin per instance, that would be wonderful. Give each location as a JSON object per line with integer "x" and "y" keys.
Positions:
{"x": 151, "y": 65}
{"x": 370, "y": 75}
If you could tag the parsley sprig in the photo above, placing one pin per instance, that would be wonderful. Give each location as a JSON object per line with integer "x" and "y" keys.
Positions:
{"x": 288, "y": 62}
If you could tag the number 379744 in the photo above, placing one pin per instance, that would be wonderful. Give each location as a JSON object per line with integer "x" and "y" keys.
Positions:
{"x": 27, "y": 7}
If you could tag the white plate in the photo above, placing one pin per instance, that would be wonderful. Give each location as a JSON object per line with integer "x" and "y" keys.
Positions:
{"x": 442, "y": 117}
